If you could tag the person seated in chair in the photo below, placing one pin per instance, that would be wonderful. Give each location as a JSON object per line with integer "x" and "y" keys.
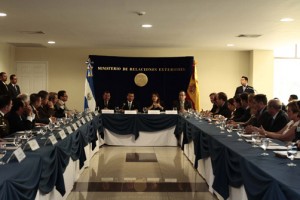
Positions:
{"x": 182, "y": 104}
{"x": 156, "y": 102}
{"x": 130, "y": 103}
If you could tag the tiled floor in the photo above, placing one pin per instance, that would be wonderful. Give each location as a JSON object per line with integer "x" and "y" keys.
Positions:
{"x": 140, "y": 173}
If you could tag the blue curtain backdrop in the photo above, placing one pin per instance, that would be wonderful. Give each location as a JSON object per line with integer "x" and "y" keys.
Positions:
{"x": 167, "y": 76}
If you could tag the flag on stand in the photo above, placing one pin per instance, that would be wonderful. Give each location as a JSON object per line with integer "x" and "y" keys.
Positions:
{"x": 193, "y": 89}
{"x": 89, "y": 94}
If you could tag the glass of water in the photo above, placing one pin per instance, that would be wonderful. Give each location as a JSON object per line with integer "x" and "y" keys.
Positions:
{"x": 264, "y": 145}
{"x": 291, "y": 153}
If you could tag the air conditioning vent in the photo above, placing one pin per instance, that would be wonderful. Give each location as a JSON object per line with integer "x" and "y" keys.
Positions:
{"x": 248, "y": 35}
{"x": 33, "y": 32}
{"x": 27, "y": 45}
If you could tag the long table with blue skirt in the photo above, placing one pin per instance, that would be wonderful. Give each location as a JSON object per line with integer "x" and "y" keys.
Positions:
{"x": 233, "y": 168}
{"x": 50, "y": 171}
{"x": 140, "y": 129}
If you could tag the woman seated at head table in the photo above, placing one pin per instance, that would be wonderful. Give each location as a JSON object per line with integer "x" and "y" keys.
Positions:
{"x": 156, "y": 103}
{"x": 288, "y": 132}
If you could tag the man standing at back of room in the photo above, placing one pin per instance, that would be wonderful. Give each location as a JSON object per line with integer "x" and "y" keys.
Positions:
{"x": 3, "y": 87}
{"x": 244, "y": 88}
{"x": 13, "y": 88}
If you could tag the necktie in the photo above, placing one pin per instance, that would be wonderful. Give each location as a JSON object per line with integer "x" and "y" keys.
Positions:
{"x": 181, "y": 105}
{"x": 129, "y": 105}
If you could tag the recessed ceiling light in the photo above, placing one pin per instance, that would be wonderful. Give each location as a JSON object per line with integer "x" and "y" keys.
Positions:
{"x": 146, "y": 25}
{"x": 230, "y": 45}
{"x": 3, "y": 14}
{"x": 287, "y": 19}
{"x": 51, "y": 42}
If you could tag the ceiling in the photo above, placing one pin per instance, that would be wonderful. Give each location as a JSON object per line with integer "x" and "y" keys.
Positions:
{"x": 200, "y": 24}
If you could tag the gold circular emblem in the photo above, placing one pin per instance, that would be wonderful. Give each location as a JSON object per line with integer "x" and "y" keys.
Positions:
{"x": 141, "y": 79}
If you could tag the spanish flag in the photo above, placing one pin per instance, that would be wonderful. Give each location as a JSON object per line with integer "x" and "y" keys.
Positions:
{"x": 193, "y": 89}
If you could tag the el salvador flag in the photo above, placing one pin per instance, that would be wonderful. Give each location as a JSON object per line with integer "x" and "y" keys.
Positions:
{"x": 89, "y": 94}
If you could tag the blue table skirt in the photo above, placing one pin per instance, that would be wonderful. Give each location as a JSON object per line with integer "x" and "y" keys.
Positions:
{"x": 43, "y": 169}
{"x": 236, "y": 163}
{"x": 131, "y": 124}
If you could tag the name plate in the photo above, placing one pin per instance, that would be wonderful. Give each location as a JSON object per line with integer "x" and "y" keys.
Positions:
{"x": 33, "y": 144}
{"x": 69, "y": 129}
{"x": 154, "y": 112}
{"x": 83, "y": 121}
{"x": 106, "y": 111}
{"x": 130, "y": 112}
{"x": 62, "y": 134}
{"x": 172, "y": 112}
{"x": 20, "y": 155}
{"x": 78, "y": 123}
{"x": 75, "y": 126}
{"x": 53, "y": 139}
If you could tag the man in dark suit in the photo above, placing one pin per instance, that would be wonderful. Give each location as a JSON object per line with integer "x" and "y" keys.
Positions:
{"x": 3, "y": 87}
{"x": 182, "y": 104}
{"x": 279, "y": 117}
{"x": 223, "y": 110}
{"x": 17, "y": 119}
{"x": 244, "y": 88}
{"x": 5, "y": 107}
{"x": 13, "y": 88}
{"x": 262, "y": 116}
{"x": 130, "y": 103}
{"x": 106, "y": 102}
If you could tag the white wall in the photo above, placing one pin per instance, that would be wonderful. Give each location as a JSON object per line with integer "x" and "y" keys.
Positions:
{"x": 217, "y": 70}
{"x": 7, "y": 60}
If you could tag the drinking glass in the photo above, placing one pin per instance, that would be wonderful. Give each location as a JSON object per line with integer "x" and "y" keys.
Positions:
{"x": 2, "y": 153}
{"x": 17, "y": 141}
{"x": 51, "y": 127}
{"x": 291, "y": 153}
{"x": 145, "y": 110}
{"x": 117, "y": 109}
{"x": 230, "y": 127}
{"x": 174, "y": 108}
{"x": 264, "y": 145}
{"x": 255, "y": 138}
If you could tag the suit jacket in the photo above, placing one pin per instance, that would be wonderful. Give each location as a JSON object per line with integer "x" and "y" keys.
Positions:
{"x": 239, "y": 90}
{"x": 3, "y": 89}
{"x": 279, "y": 122}
{"x": 102, "y": 105}
{"x": 262, "y": 119}
{"x": 45, "y": 112}
{"x": 245, "y": 117}
{"x": 14, "y": 92}
{"x": 238, "y": 113}
{"x": 59, "y": 112}
{"x": 187, "y": 104}
{"x": 18, "y": 123}
{"x": 224, "y": 110}
{"x": 134, "y": 106}
{"x": 39, "y": 118}
{"x": 4, "y": 126}
{"x": 214, "y": 108}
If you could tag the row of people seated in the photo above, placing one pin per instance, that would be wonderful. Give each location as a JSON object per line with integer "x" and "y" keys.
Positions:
{"x": 257, "y": 114}
{"x": 182, "y": 104}
{"x": 23, "y": 113}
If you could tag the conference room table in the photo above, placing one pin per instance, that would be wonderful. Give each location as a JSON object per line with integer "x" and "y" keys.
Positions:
{"x": 42, "y": 171}
{"x": 234, "y": 163}
{"x": 238, "y": 165}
